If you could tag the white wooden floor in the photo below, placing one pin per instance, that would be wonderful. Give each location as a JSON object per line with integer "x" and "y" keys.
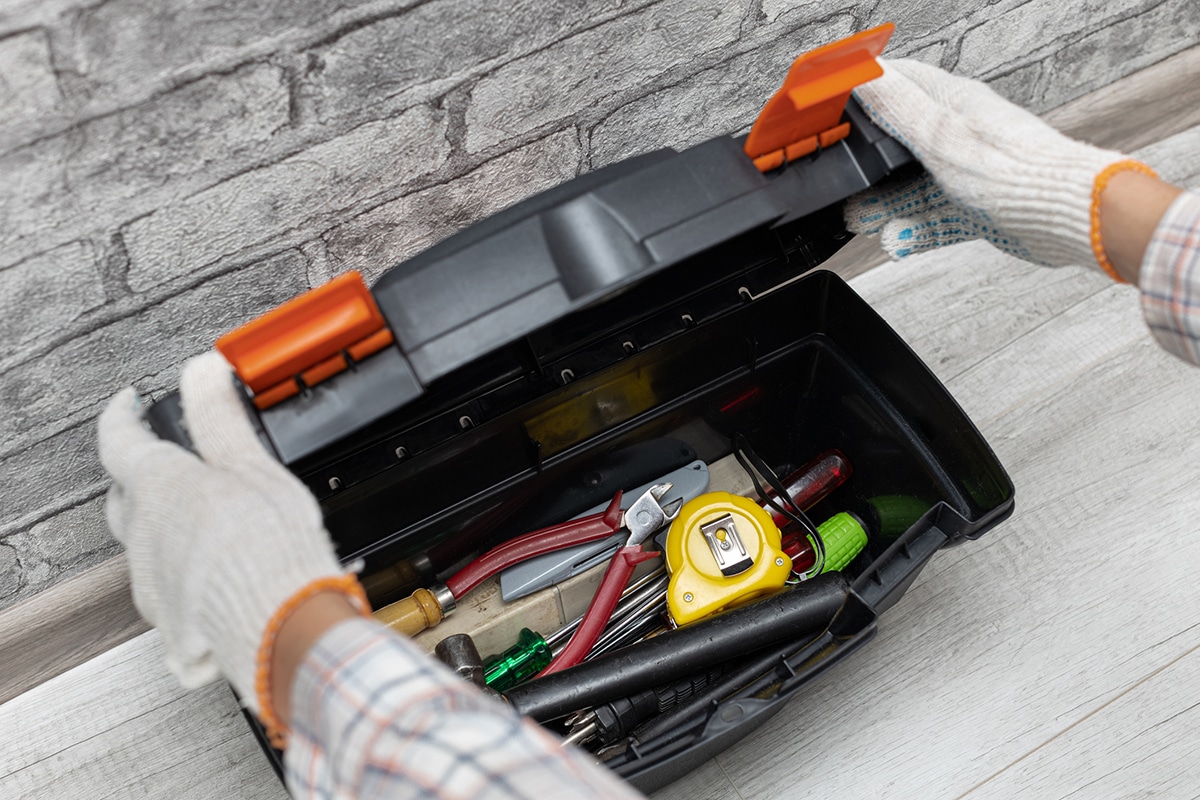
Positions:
{"x": 1058, "y": 656}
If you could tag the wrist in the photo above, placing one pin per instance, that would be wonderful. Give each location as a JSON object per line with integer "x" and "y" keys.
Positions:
{"x": 290, "y": 633}
{"x": 1127, "y": 207}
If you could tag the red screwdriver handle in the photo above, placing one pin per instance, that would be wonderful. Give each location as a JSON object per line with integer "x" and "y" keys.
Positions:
{"x": 600, "y": 610}
{"x": 546, "y": 540}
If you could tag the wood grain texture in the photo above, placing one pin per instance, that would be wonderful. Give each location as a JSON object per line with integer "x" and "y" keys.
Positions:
{"x": 1014, "y": 662}
{"x": 1004, "y": 644}
{"x": 121, "y": 726}
{"x": 1117, "y": 751}
{"x": 66, "y": 625}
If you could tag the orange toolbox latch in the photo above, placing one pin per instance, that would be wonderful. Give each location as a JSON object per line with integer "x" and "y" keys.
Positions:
{"x": 306, "y": 340}
{"x": 806, "y": 113}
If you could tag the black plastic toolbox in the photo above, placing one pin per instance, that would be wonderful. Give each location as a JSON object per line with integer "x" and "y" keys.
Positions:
{"x": 665, "y": 303}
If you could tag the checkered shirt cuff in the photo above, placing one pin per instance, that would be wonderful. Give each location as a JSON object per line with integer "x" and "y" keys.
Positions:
{"x": 1170, "y": 279}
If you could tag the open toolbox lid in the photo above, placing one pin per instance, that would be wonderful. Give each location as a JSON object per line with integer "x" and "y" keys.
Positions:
{"x": 337, "y": 359}
{"x": 463, "y": 351}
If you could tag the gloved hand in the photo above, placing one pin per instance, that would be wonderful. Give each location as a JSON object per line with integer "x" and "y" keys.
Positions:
{"x": 994, "y": 172}
{"x": 220, "y": 546}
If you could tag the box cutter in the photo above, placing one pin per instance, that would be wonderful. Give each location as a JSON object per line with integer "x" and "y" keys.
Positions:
{"x": 537, "y": 573}
{"x": 645, "y": 516}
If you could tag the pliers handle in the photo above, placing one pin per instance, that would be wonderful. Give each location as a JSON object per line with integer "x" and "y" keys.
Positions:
{"x": 644, "y": 517}
{"x": 600, "y": 610}
{"x": 427, "y": 607}
{"x": 546, "y": 540}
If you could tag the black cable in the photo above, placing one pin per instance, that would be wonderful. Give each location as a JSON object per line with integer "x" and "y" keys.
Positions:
{"x": 755, "y": 466}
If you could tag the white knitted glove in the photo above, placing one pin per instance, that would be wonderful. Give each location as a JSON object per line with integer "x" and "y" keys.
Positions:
{"x": 994, "y": 172}
{"x": 217, "y": 544}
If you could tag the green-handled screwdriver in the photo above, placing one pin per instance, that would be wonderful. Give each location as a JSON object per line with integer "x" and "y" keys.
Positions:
{"x": 533, "y": 652}
{"x": 529, "y": 656}
{"x": 843, "y": 535}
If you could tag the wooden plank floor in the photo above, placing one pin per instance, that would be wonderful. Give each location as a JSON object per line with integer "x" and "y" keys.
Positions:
{"x": 1057, "y": 656}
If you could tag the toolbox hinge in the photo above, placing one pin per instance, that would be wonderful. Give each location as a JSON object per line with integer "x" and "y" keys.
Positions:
{"x": 805, "y": 114}
{"x": 306, "y": 340}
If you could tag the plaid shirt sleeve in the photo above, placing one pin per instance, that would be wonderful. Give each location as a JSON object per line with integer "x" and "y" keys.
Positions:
{"x": 373, "y": 716}
{"x": 1170, "y": 279}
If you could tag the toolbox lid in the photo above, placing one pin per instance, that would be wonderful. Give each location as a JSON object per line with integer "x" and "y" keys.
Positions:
{"x": 564, "y": 250}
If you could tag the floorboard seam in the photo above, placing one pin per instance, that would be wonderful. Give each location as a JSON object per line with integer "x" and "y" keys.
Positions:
{"x": 1081, "y": 720}
{"x": 729, "y": 778}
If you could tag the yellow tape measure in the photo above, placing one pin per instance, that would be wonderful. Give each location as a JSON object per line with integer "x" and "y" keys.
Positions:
{"x": 722, "y": 552}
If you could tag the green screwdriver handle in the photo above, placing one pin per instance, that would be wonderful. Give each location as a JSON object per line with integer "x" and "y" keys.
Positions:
{"x": 844, "y": 538}
{"x": 529, "y": 656}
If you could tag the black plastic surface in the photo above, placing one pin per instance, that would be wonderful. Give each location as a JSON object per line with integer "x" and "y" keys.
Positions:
{"x": 669, "y": 747}
{"x": 563, "y": 251}
{"x": 815, "y": 368}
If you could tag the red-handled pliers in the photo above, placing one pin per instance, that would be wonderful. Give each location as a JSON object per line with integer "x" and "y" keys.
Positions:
{"x": 644, "y": 517}
{"x": 427, "y": 607}
{"x": 591, "y": 528}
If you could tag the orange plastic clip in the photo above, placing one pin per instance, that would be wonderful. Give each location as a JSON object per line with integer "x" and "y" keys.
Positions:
{"x": 306, "y": 339}
{"x": 806, "y": 111}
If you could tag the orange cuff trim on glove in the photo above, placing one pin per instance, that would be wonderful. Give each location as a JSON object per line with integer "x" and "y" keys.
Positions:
{"x": 346, "y": 585}
{"x": 1098, "y": 187}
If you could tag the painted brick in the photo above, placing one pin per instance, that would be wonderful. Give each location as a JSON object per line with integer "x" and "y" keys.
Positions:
{"x": 307, "y": 191}
{"x": 57, "y": 473}
{"x": 916, "y": 19}
{"x": 723, "y": 100}
{"x": 118, "y": 167}
{"x": 412, "y": 57}
{"x": 932, "y": 53}
{"x": 32, "y": 189}
{"x": 1120, "y": 49}
{"x": 24, "y": 15}
{"x": 402, "y": 228}
{"x": 1022, "y": 86}
{"x": 28, "y": 89}
{"x": 124, "y": 50}
{"x": 73, "y": 381}
{"x": 58, "y": 548}
{"x": 594, "y": 67}
{"x": 42, "y": 294}
{"x": 10, "y": 576}
{"x": 1009, "y": 39}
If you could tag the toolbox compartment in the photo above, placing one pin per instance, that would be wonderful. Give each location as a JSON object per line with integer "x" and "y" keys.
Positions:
{"x": 648, "y": 313}
{"x": 806, "y": 367}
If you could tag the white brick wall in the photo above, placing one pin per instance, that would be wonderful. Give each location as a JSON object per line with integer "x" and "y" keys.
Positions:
{"x": 169, "y": 169}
